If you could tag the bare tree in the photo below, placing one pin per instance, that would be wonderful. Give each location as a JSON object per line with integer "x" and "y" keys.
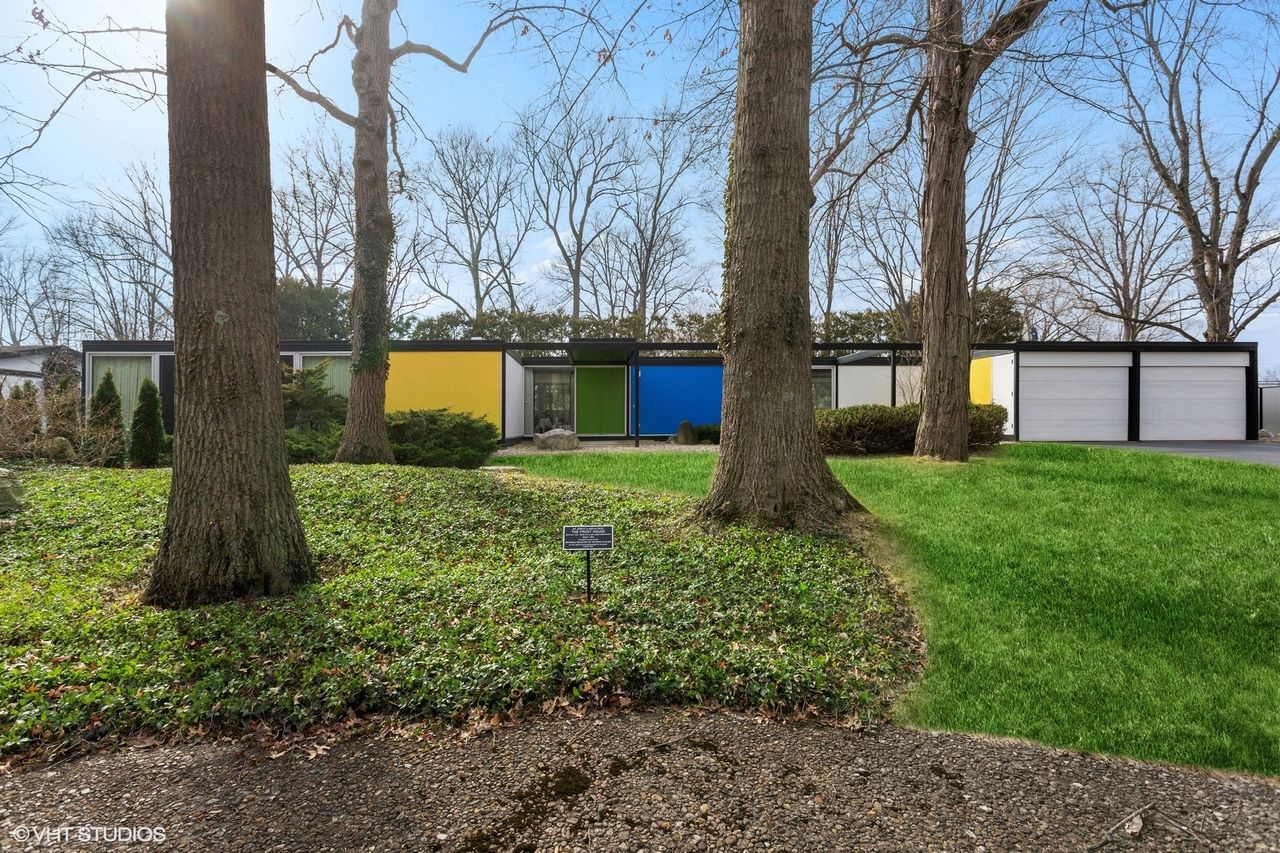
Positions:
{"x": 771, "y": 470}
{"x": 117, "y": 252}
{"x": 475, "y": 210}
{"x": 654, "y": 211}
{"x": 831, "y": 244}
{"x": 375, "y": 125}
{"x": 580, "y": 163}
{"x": 37, "y": 302}
{"x": 1118, "y": 246}
{"x": 1205, "y": 116}
{"x": 232, "y": 527}
{"x": 955, "y": 68}
{"x": 315, "y": 215}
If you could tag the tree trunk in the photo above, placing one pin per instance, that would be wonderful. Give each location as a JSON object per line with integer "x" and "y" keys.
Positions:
{"x": 364, "y": 439}
{"x": 232, "y": 528}
{"x": 946, "y": 313}
{"x": 771, "y": 471}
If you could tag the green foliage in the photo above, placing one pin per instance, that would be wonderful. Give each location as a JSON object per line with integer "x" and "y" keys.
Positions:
{"x": 308, "y": 404}
{"x": 874, "y": 429}
{"x": 1100, "y": 600}
{"x": 311, "y": 313}
{"x": 996, "y": 316}
{"x": 707, "y": 433}
{"x": 313, "y": 444}
{"x": 543, "y": 326}
{"x": 442, "y": 593}
{"x": 439, "y": 438}
{"x": 146, "y": 430}
{"x": 105, "y": 439}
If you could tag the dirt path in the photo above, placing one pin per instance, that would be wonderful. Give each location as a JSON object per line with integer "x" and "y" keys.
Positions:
{"x": 662, "y": 780}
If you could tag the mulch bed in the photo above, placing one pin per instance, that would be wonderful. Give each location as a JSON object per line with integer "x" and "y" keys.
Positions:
{"x": 654, "y": 780}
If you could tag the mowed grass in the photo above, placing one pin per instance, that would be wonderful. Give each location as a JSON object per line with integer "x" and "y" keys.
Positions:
{"x": 1095, "y": 599}
{"x": 444, "y": 595}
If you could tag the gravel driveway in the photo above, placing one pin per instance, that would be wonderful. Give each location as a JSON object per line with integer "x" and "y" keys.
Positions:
{"x": 660, "y": 780}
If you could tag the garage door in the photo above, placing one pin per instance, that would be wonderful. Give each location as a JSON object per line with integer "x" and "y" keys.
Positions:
{"x": 1193, "y": 397}
{"x": 1080, "y": 396}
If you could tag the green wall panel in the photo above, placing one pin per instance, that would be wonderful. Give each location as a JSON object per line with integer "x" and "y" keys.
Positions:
{"x": 602, "y": 400}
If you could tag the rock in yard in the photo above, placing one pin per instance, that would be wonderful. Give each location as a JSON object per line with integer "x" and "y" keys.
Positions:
{"x": 10, "y": 493}
{"x": 556, "y": 439}
{"x": 58, "y": 449}
{"x": 684, "y": 434}
{"x": 1266, "y": 435}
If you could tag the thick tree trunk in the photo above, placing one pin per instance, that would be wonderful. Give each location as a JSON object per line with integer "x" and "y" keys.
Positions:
{"x": 232, "y": 527}
{"x": 771, "y": 470}
{"x": 364, "y": 439}
{"x": 946, "y": 313}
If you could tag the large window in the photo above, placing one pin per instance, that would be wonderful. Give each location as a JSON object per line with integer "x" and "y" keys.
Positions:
{"x": 822, "y": 392}
{"x": 337, "y": 374}
{"x": 549, "y": 399}
{"x": 127, "y": 372}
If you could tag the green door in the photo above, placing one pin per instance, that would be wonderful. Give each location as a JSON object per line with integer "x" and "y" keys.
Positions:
{"x": 602, "y": 400}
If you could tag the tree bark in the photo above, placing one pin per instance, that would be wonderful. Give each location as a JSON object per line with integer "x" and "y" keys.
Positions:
{"x": 954, "y": 69}
{"x": 232, "y": 528}
{"x": 771, "y": 471}
{"x": 364, "y": 439}
{"x": 946, "y": 314}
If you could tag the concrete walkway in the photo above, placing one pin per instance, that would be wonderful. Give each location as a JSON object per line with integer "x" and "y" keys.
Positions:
{"x": 1267, "y": 453}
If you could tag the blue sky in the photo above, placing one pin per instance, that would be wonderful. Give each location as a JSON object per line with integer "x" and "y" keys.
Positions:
{"x": 96, "y": 137}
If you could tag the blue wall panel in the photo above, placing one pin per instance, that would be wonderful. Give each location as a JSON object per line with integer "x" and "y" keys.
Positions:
{"x": 673, "y": 393}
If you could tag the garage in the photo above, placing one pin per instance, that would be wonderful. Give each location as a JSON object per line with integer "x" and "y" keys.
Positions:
{"x": 1187, "y": 396}
{"x": 1073, "y": 396}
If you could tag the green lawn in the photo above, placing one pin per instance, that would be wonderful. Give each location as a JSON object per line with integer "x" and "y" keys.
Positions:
{"x": 443, "y": 594}
{"x": 1122, "y": 602}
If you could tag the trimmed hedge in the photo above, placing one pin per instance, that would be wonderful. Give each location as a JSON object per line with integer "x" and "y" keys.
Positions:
{"x": 707, "y": 433}
{"x": 439, "y": 438}
{"x": 873, "y": 429}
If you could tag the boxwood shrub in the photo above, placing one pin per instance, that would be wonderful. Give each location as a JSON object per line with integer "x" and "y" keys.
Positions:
{"x": 858, "y": 430}
{"x": 439, "y": 438}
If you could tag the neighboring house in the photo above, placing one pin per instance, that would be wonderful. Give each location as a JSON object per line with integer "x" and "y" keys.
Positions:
{"x": 19, "y": 364}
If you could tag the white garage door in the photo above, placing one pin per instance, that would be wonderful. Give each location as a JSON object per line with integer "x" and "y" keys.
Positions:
{"x": 1193, "y": 397}
{"x": 1079, "y": 396}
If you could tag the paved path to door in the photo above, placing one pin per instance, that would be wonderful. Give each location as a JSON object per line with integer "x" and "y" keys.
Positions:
{"x": 1267, "y": 453}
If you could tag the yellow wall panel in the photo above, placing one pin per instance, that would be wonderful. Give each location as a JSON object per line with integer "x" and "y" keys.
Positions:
{"x": 460, "y": 381}
{"x": 980, "y": 380}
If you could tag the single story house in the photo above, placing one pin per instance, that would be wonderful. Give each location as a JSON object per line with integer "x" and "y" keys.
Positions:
{"x": 23, "y": 363}
{"x": 621, "y": 388}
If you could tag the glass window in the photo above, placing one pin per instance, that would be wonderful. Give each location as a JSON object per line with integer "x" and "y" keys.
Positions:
{"x": 821, "y": 388}
{"x": 337, "y": 374}
{"x": 127, "y": 372}
{"x": 550, "y": 396}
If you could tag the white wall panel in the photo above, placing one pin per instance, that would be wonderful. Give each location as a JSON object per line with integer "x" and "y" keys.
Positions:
{"x": 858, "y": 384}
{"x": 1083, "y": 403}
{"x": 1075, "y": 358}
{"x": 1002, "y": 386}
{"x": 513, "y": 397}
{"x": 1192, "y": 403}
{"x": 1271, "y": 408}
{"x": 1193, "y": 358}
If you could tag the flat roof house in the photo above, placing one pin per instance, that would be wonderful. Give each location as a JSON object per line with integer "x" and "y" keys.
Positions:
{"x": 621, "y": 388}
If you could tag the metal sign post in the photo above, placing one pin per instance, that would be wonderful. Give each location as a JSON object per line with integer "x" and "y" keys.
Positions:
{"x": 586, "y": 538}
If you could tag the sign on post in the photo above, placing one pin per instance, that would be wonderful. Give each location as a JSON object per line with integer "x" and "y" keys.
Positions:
{"x": 585, "y": 538}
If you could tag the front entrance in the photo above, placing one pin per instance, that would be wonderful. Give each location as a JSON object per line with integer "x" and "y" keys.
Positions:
{"x": 549, "y": 399}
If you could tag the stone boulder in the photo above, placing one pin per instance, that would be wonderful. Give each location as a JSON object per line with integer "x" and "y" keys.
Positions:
{"x": 556, "y": 439}
{"x": 1266, "y": 435}
{"x": 684, "y": 434}
{"x": 10, "y": 493}
{"x": 58, "y": 449}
